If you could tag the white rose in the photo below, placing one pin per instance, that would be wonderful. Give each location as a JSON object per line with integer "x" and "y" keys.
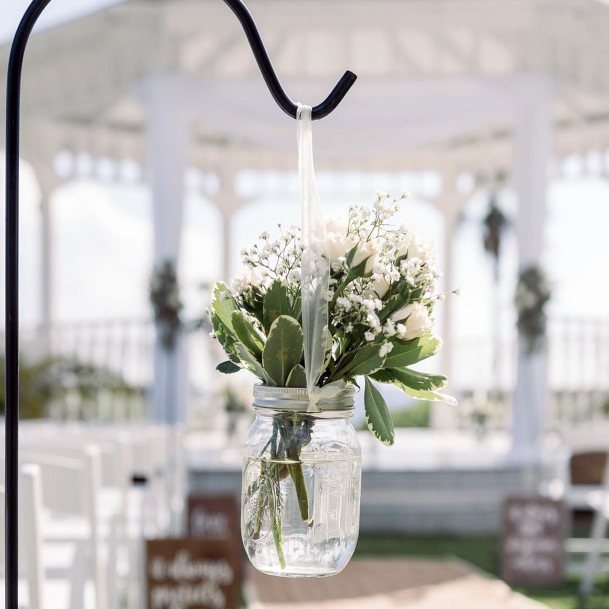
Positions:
{"x": 404, "y": 244}
{"x": 367, "y": 251}
{"x": 337, "y": 245}
{"x": 414, "y": 246}
{"x": 416, "y": 321}
{"x": 337, "y": 224}
{"x": 380, "y": 286}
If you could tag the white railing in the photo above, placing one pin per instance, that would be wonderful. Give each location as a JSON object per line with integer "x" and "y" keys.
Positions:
{"x": 98, "y": 370}
{"x": 123, "y": 346}
{"x": 108, "y": 367}
{"x": 578, "y": 375}
{"x": 578, "y": 371}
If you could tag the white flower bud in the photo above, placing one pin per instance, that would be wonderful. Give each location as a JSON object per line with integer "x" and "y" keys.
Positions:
{"x": 380, "y": 286}
{"x": 416, "y": 321}
{"x": 367, "y": 251}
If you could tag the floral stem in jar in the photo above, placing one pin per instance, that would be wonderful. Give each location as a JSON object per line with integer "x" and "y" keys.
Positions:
{"x": 272, "y": 482}
{"x": 301, "y": 489}
{"x": 295, "y": 433}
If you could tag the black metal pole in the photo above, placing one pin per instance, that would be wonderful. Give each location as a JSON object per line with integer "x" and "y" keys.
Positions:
{"x": 13, "y": 96}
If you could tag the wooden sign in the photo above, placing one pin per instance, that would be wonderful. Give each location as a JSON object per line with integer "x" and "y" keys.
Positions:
{"x": 533, "y": 536}
{"x": 213, "y": 517}
{"x": 216, "y": 517}
{"x": 191, "y": 574}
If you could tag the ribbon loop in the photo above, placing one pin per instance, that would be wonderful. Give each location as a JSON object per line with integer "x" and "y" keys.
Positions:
{"x": 324, "y": 394}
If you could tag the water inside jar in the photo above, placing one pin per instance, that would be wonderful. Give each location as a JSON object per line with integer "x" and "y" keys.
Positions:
{"x": 276, "y": 538}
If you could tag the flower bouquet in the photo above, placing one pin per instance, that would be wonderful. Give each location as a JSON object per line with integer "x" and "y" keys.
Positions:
{"x": 382, "y": 292}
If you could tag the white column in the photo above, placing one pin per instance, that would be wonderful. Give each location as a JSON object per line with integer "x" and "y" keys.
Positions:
{"x": 228, "y": 203}
{"x": 47, "y": 183}
{"x": 443, "y": 416}
{"x": 167, "y": 157}
{"x": 533, "y": 150}
{"x": 46, "y": 264}
{"x": 227, "y": 244}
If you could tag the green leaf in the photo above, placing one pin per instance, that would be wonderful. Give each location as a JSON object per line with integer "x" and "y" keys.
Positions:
{"x": 228, "y": 367}
{"x": 329, "y": 345}
{"x": 227, "y": 338}
{"x": 223, "y": 304}
{"x": 276, "y": 303}
{"x": 247, "y": 334}
{"x": 413, "y": 351}
{"x": 283, "y": 349}
{"x": 419, "y": 380}
{"x": 350, "y": 255}
{"x": 297, "y": 307}
{"x": 378, "y": 418}
{"x": 254, "y": 303}
{"x": 391, "y": 304}
{"x": 297, "y": 377}
{"x": 252, "y": 364}
{"x": 388, "y": 376}
{"x": 365, "y": 361}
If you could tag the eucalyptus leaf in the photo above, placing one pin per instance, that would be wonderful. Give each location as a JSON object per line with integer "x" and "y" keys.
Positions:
{"x": 413, "y": 351}
{"x": 276, "y": 303}
{"x": 228, "y": 367}
{"x": 247, "y": 334}
{"x": 297, "y": 377}
{"x": 283, "y": 349}
{"x": 378, "y": 418}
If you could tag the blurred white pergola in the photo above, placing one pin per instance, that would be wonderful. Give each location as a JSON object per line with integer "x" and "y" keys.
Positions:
{"x": 486, "y": 87}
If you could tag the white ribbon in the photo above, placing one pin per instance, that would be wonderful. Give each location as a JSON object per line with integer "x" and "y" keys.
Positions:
{"x": 324, "y": 394}
{"x": 315, "y": 272}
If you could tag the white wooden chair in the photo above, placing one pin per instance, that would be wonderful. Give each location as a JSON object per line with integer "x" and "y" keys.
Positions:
{"x": 586, "y": 487}
{"x": 107, "y": 550}
{"x": 69, "y": 522}
{"x": 30, "y": 534}
{"x": 598, "y": 544}
{"x": 31, "y": 580}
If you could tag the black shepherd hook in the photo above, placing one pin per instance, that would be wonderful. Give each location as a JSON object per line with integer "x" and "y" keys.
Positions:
{"x": 13, "y": 93}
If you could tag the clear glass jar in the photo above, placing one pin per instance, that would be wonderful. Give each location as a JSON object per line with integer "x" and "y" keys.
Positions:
{"x": 301, "y": 484}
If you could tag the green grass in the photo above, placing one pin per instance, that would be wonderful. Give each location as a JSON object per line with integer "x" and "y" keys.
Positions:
{"x": 417, "y": 415}
{"x": 483, "y": 553}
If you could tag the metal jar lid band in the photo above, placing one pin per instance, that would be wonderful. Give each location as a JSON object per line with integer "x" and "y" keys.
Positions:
{"x": 297, "y": 399}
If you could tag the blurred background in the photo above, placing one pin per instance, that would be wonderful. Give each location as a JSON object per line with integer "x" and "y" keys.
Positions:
{"x": 152, "y": 154}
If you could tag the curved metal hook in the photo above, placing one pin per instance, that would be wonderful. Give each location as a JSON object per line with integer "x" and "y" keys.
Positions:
{"x": 270, "y": 78}
{"x": 13, "y": 96}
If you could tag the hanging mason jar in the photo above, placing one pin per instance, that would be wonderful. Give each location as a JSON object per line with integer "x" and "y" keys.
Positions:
{"x": 318, "y": 309}
{"x": 301, "y": 484}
